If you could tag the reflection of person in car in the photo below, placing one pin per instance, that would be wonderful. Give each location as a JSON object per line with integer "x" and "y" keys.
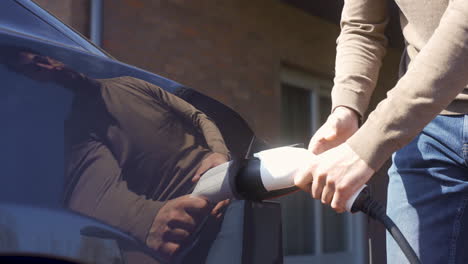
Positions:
{"x": 134, "y": 152}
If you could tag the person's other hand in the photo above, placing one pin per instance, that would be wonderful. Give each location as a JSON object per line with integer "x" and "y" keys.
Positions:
{"x": 334, "y": 176}
{"x": 175, "y": 222}
{"x": 340, "y": 125}
{"x": 212, "y": 160}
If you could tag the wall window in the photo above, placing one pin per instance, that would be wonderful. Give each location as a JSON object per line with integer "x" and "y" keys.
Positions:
{"x": 312, "y": 232}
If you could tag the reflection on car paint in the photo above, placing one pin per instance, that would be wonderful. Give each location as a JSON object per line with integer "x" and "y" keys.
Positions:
{"x": 130, "y": 146}
{"x": 36, "y": 117}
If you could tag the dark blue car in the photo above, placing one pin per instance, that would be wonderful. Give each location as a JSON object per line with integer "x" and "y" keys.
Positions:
{"x": 62, "y": 200}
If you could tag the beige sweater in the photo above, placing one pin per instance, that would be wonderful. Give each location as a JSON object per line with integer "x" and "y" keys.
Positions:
{"x": 434, "y": 70}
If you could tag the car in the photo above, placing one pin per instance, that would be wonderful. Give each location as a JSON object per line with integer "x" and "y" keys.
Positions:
{"x": 40, "y": 133}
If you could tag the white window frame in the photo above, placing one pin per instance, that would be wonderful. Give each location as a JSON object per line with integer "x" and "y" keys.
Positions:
{"x": 356, "y": 226}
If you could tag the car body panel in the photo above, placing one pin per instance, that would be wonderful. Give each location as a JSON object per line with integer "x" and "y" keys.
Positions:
{"x": 68, "y": 235}
{"x": 33, "y": 218}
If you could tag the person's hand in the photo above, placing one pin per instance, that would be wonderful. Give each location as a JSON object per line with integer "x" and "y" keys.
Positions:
{"x": 340, "y": 125}
{"x": 334, "y": 176}
{"x": 212, "y": 160}
{"x": 175, "y": 222}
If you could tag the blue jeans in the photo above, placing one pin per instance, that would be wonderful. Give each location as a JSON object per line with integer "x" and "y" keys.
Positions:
{"x": 428, "y": 193}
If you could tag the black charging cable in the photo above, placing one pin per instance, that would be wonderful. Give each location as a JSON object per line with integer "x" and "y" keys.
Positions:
{"x": 375, "y": 210}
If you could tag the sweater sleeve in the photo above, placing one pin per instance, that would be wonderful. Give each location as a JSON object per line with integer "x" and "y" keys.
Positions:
{"x": 101, "y": 193}
{"x": 360, "y": 49}
{"x": 434, "y": 78}
{"x": 200, "y": 120}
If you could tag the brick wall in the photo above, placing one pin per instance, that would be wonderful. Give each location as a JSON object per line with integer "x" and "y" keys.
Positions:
{"x": 74, "y": 13}
{"x": 231, "y": 50}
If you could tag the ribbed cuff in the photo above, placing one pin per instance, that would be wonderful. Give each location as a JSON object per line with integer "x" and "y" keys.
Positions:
{"x": 221, "y": 149}
{"x": 342, "y": 96}
{"x": 372, "y": 145}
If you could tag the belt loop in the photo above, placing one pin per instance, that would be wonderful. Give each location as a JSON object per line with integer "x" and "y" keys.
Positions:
{"x": 465, "y": 138}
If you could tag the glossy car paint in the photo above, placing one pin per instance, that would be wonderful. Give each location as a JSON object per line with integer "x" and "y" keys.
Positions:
{"x": 32, "y": 219}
